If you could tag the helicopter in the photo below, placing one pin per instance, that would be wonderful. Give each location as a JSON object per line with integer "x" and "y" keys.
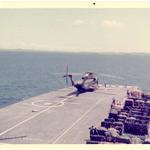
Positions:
{"x": 88, "y": 82}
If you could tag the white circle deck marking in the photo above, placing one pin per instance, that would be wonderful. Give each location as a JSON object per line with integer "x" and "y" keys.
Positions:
{"x": 47, "y": 104}
{"x": 37, "y": 105}
{"x": 28, "y": 119}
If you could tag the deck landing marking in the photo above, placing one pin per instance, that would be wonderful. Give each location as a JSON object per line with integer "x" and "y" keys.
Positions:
{"x": 55, "y": 103}
{"x": 44, "y": 105}
{"x": 28, "y": 119}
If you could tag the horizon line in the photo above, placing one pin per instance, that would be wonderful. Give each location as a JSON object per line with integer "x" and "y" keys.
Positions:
{"x": 65, "y": 51}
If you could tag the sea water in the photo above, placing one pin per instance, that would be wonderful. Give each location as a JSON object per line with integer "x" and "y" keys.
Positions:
{"x": 25, "y": 74}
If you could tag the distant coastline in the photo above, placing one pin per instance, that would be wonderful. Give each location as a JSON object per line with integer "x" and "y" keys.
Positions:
{"x": 74, "y": 52}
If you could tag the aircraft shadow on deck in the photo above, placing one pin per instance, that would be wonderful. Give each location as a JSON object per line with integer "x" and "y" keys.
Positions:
{"x": 77, "y": 93}
{"x": 12, "y": 138}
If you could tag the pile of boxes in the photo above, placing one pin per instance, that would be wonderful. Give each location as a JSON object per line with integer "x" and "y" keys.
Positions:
{"x": 129, "y": 124}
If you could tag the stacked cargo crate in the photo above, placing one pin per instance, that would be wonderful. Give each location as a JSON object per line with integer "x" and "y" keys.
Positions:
{"x": 129, "y": 124}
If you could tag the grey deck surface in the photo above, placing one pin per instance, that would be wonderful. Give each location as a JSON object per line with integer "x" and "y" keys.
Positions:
{"x": 55, "y": 117}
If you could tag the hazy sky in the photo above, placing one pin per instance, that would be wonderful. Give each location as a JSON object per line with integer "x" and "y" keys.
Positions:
{"x": 94, "y": 30}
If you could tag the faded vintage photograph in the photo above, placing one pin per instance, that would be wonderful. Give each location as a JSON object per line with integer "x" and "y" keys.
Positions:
{"x": 75, "y": 76}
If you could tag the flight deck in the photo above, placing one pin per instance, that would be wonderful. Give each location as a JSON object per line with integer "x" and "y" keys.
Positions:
{"x": 57, "y": 117}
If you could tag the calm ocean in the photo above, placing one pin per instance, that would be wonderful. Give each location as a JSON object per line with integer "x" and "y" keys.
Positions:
{"x": 26, "y": 74}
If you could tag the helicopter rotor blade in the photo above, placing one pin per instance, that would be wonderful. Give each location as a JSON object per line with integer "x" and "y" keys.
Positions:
{"x": 111, "y": 76}
{"x": 72, "y": 73}
{"x": 67, "y": 75}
